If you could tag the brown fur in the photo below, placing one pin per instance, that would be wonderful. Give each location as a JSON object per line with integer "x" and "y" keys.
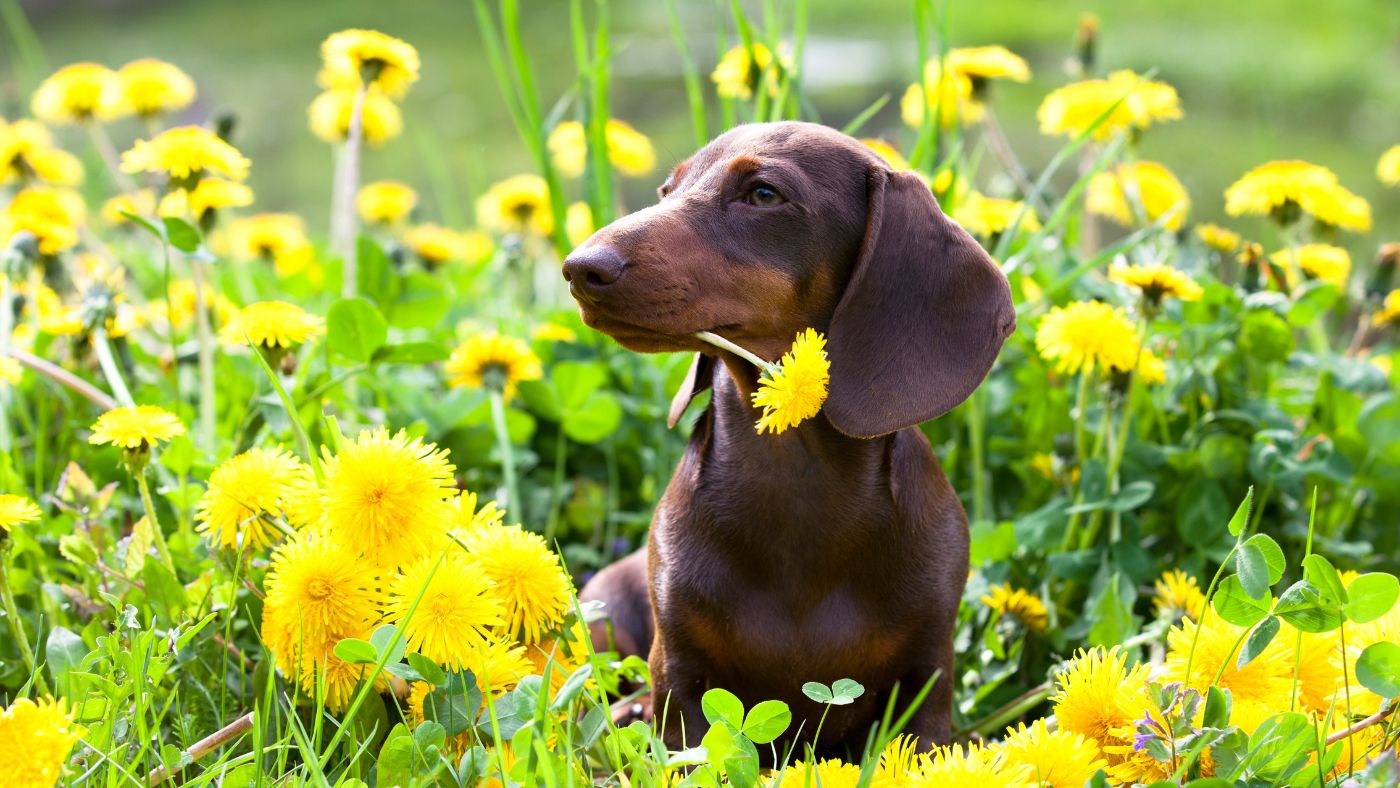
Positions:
{"x": 836, "y": 549}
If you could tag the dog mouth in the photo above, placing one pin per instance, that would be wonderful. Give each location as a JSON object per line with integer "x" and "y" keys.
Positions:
{"x": 650, "y": 338}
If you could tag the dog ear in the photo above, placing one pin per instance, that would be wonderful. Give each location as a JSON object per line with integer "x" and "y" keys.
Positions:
{"x": 699, "y": 378}
{"x": 922, "y": 318}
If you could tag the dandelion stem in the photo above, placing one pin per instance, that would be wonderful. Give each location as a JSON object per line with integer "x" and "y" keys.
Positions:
{"x": 724, "y": 344}
{"x": 7, "y": 596}
{"x": 347, "y": 180}
{"x": 64, "y": 378}
{"x": 205, "y": 338}
{"x": 206, "y": 745}
{"x": 156, "y": 535}
{"x": 103, "y": 349}
{"x": 498, "y": 420}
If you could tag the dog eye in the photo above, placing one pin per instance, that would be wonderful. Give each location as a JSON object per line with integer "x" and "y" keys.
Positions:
{"x": 765, "y": 195}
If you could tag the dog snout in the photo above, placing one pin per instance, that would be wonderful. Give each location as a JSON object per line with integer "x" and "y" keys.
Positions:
{"x": 592, "y": 270}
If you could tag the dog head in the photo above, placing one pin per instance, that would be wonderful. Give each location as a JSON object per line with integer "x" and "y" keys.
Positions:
{"x": 777, "y": 227}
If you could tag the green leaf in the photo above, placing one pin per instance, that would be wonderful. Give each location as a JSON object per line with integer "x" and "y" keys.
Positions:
{"x": 599, "y": 417}
{"x": 1303, "y": 607}
{"x": 356, "y": 652}
{"x": 1320, "y": 572}
{"x": 542, "y": 397}
{"x": 64, "y": 651}
{"x": 1217, "y": 711}
{"x": 1273, "y": 555}
{"x": 421, "y": 301}
{"x": 718, "y": 741}
{"x": 576, "y": 381}
{"x": 1280, "y": 746}
{"x": 1112, "y": 615}
{"x": 721, "y": 705}
{"x": 141, "y": 221}
{"x": 164, "y": 589}
{"x": 355, "y": 329}
{"x": 410, "y": 353}
{"x": 1131, "y": 496}
{"x": 383, "y": 639}
{"x": 427, "y": 668}
{"x": 375, "y": 273}
{"x": 1378, "y": 669}
{"x": 1236, "y": 606}
{"x": 454, "y": 706}
{"x": 1371, "y": 596}
{"x": 817, "y": 691}
{"x": 766, "y": 721}
{"x": 181, "y": 234}
{"x": 572, "y": 687}
{"x": 1241, "y": 517}
{"x": 1257, "y": 641}
{"x": 845, "y": 691}
{"x": 1311, "y": 301}
{"x": 1253, "y": 570}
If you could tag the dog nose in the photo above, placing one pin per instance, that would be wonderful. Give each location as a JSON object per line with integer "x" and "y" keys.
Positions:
{"x": 593, "y": 269}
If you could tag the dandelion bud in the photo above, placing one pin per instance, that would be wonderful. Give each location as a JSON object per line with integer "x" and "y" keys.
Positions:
{"x": 1382, "y": 278}
{"x": 1086, "y": 43}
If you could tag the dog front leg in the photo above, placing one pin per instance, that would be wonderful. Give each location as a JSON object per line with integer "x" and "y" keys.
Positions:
{"x": 932, "y": 722}
{"x": 676, "y": 689}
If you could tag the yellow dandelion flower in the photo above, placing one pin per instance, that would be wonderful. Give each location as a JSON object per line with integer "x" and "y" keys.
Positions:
{"x": 136, "y": 427}
{"x": 739, "y": 70}
{"x": 1265, "y": 679}
{"x": 1178, "y": 594}
{"x": 341, "y": 679}
{"x": 271, "y": 324}
{"x": 1315, "y": 261}
{"x": 533, "y": 589}
{"x": 142, "y": 203}
{"x": 796, "y": 390}
{"x": 1086, "y": 335}
{"x": 1319, "y": 666}
{"x": 945, "y": 95}
{"x": 210, "y": 194}
{"x": 16, "y": 510}
{"x": 970, "y": 766}
{"x": 35, "y": 739}
{"x": 888, "y": 152}
{"x": 456, "y": 613}
{"x": 317, "y": 589}
{"x": 301, "y": 506}
{"x": 1138, "y": 192}
{"x": 52, "y": 215}
{"x": 1282, "y": 189}
{"x": 553, "y": 332}
{"x": 1125, "y": 101}
{"x": 147, "y": 87}
{"x": 186, "y": 154}
{"x": 71, "y": 94}
{"x": 10, "y": 370}
{"x": 896, "y": 761}
{"x": 329, "y": 116}
{"x": 829, "y": 773}
{"x": 388, "y": 495}
{"x": 243, "y": 493}
{"x": 1023, "y": 605}
{"x": 385, "y": 202}
{"x": 1097, "y": 693}
{"x": 1388, "y": 167}
{"x": 1359, "y": 637}
{"x": 468, "y": 519}
{"x": 279, "y": 237}
{"x": 1156, "y": 281}
{"x": 493, "y": 361}
{"x": 436, "y": 244}
{"x": 988, "y": 62}
{"x": 1056, "y": 759}
{"x": 578, "y": 223}
{"x": 1389, "y": 311}
{"x": 27, "y": 151}
{"x": 629, "y": 150}
{"x": 1218, "y": 238}
{"x": 356, "y": 57}
{"x": 516, "y": 205}
{"x": 987, "y": 217}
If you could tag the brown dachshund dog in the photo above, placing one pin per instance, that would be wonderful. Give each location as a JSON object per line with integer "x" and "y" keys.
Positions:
{"x": 836, "y": 549}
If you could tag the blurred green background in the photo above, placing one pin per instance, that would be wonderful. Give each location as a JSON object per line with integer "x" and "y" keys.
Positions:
{"x": 1259, "y": 79}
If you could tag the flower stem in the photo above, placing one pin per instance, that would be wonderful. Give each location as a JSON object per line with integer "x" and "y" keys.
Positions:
{"x": 498, "y": 420}
{"x": 347, "y": 182}
{"x": 205, "y": 340}
{"x": 156, "y": 535}
{"x": 103, "y": 143}
{"x": 724, "y": 344}
{"x": 103, "y": 349}
{"x": 7, "y": 596}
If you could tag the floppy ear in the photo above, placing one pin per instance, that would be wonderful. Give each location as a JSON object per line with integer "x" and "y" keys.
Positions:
{"x": 922, "y": 318}
{"x": 699, "y": 378}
